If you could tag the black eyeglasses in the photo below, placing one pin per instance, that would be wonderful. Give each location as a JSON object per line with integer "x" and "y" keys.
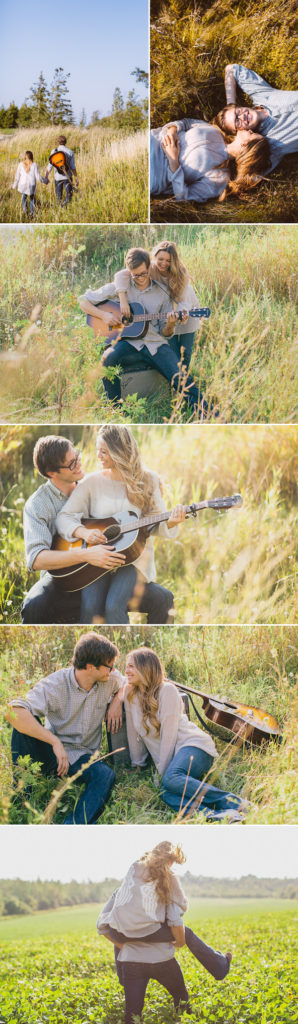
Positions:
{"x": 110, "y": 667}
{"x": 73, "y": 462}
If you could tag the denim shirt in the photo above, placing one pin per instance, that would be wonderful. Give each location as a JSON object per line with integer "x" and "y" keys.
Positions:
{"x": 281, "y": 125}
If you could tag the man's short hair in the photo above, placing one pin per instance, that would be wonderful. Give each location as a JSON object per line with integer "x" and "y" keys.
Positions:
{"x": 134, "y": 258}
{"x": 219, "y": 119}
{"x": 93, "y": 649}
{"x": 49, "y": 453}
{"x": 61, "y": 140}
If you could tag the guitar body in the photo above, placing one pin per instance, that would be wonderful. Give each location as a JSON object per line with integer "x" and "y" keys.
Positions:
{"x": 76, "y": 577}
{"x": 247, "y": 722}
{"x": 136, "y": 329}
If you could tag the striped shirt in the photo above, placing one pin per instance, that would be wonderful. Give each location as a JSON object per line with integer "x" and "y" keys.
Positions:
{"x": 71, "y": 713}
{"x": 39, "y": 520}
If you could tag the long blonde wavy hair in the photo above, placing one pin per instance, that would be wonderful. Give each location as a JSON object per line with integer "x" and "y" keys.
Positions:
{"x": 147, "y": 687}
{"x": 125, "y": 454}
{"x": 158, "y": 864}
{"x": 178, "y": 275}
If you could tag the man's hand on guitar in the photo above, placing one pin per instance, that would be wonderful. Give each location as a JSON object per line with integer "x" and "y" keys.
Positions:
{"x": 111, "y": 319}
{"x": 105, "y": 556}
{"x": 177, "y": 516}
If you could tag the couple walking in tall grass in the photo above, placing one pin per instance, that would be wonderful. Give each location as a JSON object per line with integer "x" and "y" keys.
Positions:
{"x": 62, "y": 160}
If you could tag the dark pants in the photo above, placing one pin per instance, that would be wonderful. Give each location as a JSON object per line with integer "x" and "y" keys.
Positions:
{"x": 135, "y": 980}
{"x": 47, "y": 602}
{"x": 28, "y": 202}
{"x": 63, "y": 192}
{"x": 182, "y": 346}
{"x": 108, "y": 598}
{"x": 214, "y": 962}
{"x": 99, "y": 779}
{"x": 164, "y": 360}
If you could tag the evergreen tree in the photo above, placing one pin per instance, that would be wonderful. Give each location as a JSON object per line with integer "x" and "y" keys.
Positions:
{"x": 117, "y": 107}
{"x": 39, "y": 100}
{"x": 25, "y": 116}
{"x": 11, "y": 116}
{"x": 60, "y": 104}
{"x": 134, "y": 116}
{"x": 141, "y": 76}
{"x": 83, "y": 119}
{"x": 95, "y": 117}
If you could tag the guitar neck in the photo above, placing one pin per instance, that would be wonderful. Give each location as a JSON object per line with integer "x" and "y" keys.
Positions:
{"x": 162, "y": 517}
{"x": 152, "y": 317}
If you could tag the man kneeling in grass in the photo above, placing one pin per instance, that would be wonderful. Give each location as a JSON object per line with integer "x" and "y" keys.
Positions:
{"x": 74, "y": 702}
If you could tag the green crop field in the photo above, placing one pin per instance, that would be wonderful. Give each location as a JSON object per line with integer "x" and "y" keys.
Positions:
{"x": 44, "y": 981}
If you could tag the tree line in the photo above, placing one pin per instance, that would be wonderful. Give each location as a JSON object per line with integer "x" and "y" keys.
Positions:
{"x": 22, "y": 897}
{"x": 51, "y": 105}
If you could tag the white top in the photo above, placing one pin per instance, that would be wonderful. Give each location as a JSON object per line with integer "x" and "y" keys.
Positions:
{"x": 97, "y": 496}
{"x": 200, "y": 175}
{"x": 136, "y": 909}
{"x": 176, "y": 731}
{"x": 25, "y": 181}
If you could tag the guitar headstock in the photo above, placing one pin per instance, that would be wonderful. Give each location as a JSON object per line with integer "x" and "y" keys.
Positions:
{"x": 234, "y": 501}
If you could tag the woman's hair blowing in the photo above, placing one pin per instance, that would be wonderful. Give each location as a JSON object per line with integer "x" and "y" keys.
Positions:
{"x": 247, "y": 168}
{"x": 125, "y": 454}
{"x": 158, "y": 864}
{"x": 151, "y": 675}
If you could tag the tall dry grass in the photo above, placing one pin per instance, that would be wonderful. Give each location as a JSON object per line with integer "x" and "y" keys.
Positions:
{"x": 112, "y": 172}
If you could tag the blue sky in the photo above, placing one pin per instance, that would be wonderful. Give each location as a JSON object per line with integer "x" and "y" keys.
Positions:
{"x": 99, "y": 43}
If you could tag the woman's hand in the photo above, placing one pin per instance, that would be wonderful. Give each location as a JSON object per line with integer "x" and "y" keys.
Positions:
{"x": 92, "y": 536}
{"x": 171, "y": 148}
{"x": 124, "y": 306}
{"x": 177, "y": 516}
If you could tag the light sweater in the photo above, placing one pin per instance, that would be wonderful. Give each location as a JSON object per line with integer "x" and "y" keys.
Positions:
{"x": 97, "y": 496}
{"x": 26, "y": 181}
{"x": 136, "y": 909}
{"x": 200, "y": 175}
{"x": 176, "y": 731}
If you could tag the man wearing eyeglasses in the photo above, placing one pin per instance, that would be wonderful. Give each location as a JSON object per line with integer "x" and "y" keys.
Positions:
{"x": 274, "y": 113}
{"x": 135, "y": 284}
{"x": 73, "y": 702}
{"x": 56, "y": 459}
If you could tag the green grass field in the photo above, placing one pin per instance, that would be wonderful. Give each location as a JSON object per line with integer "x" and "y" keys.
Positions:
{"x": 244, "y": 355}
{"x": 112, "y": 172}
{"x": 73, "y": 978}
{"x": 255, "y": 665}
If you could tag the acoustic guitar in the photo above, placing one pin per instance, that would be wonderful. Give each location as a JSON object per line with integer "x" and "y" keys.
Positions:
{"x": 135, "y": 326}
{"x": 245, "y": 721}
{"x": 126, "y": 532}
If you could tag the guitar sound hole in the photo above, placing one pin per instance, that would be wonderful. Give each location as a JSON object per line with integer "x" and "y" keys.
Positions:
{"x": 112, "y": 532}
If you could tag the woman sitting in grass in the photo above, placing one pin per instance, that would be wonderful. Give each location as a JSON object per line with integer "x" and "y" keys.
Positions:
{"x": 26, "y": 178}
{"x": 183, "y": 754}
{"x": 144, "y": 920}
{"x": 191, "y": 160}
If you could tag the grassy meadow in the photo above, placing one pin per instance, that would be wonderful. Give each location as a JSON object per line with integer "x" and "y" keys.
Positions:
{"x": 74, "y": 977}
{"x": 191, "y": 43}
{"x": 235, "y": 566}
{"x": 244, "y": 356}
{"x": 112, "y": 172}
{"x": 254, "y": 665}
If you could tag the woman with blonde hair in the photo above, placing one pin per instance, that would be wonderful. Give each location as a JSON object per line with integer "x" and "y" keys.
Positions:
{"x": 144, "y": 920}
{"x": 183, "y": 754}
{"x": 168, "y": 269}
{"x": 123, "y": 485}
{"x": 191, "y": 160}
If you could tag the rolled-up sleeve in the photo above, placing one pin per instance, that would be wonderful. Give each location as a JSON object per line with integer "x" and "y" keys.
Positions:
{"x": 41, "y": 699}
{"x": 107, "y": 291}
{"x": 37, "y": 535}
{"x": 251, "y": 83}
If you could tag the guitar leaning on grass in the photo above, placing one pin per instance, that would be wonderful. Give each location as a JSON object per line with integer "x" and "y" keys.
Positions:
{"x": 245, "y": 721}
{"x": 136, "y": 326}
{"x": 127, "y": 533}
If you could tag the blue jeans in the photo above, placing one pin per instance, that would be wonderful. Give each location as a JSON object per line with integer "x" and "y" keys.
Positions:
{"x": 47, "y": 602}
{"x": 99, "y": 779}
{"x": 108, "y": 598}
{"x": 164, "y": 360}
{"x": 185, "y": 342}
{"x": 135, "y": 980}
{"x": 31, "y": 203}
{"x": 181, "y": 785}
{"x": 63, "y": 191}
